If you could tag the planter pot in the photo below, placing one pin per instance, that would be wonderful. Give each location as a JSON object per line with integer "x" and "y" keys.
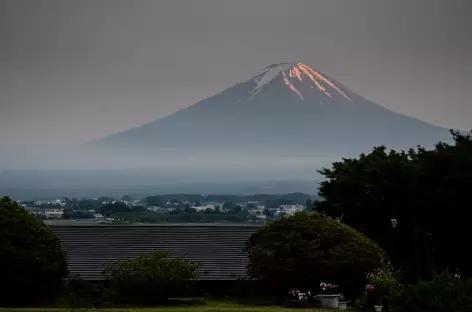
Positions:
{"x": 329, "y": 301}
{"x": 378, "y": 297}
{"x": 378, "y": 308}
{"x": 342, "y": 305}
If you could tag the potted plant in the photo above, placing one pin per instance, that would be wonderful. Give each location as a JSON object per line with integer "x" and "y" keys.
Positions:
{"x": 329, "y": 297}
{"x": 296, "y": 299}
{"x": 381, "y": 283}
{"x": 373, "y": 297}
{"x": 342, "y": 304}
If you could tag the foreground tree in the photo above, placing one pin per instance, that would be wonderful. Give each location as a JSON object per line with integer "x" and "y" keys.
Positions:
{"x": 308, "y": 248}
{"x": 415, "y": 204}
{"x": 150, "y": 278}
{"x": 32, "y": 262}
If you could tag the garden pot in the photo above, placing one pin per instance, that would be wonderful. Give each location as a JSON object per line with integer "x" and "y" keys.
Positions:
{"x": 329, "y": 301}
{"x": 377, "y": 297}
{"x": 378, "y": 308}
{"x": 342, "y": 305}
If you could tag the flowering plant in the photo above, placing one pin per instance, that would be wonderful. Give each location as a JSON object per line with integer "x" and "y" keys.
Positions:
{"x": 373, "y": 294}
{"x": 295, "y": 294}
{"x": 385, "y": 275}
{"x": 327, "y": 287}
{"x": 369, "y": 288}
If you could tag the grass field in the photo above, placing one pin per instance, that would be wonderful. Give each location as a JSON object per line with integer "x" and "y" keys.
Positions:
{"x": 209, "y": 307}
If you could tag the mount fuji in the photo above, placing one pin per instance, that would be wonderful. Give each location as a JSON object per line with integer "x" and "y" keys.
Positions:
{"x": 287, "y": 108}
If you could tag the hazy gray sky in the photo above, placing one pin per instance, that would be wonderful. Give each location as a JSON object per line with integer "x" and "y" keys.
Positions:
{"x": 73, "y": 71}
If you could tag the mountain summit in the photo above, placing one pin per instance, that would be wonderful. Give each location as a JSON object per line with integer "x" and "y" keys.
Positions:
{"x": 298, "y": 76}
{"x": 286, "y": 108}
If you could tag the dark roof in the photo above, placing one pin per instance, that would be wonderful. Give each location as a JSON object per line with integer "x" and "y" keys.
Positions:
{"x": 56, "y": 223}
{"x": 217, "y": 247}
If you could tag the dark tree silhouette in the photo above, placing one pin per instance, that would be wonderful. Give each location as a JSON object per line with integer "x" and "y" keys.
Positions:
{"x": 32, "y": 262}
{"x": 413, "y": 203}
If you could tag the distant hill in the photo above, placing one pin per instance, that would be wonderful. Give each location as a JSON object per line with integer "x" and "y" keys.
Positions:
{"x": 288, "y": 108}
{"x": 40, "y": 184}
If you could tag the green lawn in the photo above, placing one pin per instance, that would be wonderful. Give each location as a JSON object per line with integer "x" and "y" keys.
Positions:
{"x": 209, "y": 307}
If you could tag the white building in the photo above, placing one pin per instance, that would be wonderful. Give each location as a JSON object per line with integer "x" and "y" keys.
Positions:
{"x": 53, "y": 213}
{"x": 289, "y": 209}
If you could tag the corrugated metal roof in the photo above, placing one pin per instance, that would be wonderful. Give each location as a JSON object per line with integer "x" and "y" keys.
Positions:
{"x": 217, "y": 247}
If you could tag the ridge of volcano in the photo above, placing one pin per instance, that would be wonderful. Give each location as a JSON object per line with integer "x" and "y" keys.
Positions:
{"x": 286, "y": 108}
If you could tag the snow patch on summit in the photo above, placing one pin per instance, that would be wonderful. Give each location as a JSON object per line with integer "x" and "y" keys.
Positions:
{"x": 293, "y": 74}
{"x": 270, "y": 73}
{"x": 291, "y": 87}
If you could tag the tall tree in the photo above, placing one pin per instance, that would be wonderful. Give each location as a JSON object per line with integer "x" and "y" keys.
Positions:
{"x": 413, "y": 203}
{"x": 32, "y": 261}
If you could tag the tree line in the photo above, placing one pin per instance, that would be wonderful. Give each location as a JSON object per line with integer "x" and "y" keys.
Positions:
{"x": 416, "y": 204}
{"x": 269, "y": 200}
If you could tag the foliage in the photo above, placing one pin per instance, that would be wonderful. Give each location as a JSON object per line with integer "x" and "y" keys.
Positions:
{"x": 307, "y": 248}
{"x": 445, "y": 293}
{"x": 83, "y": 204}
{"x": 150, "y": 278}
{"x": 81, "y": 293}
{"x": 425, "y": 191}
{"x": 384, "y": 281}
{"x": 79, "y": 214}
{"x": 385, "y": 275}
{"x": 270, "y": 200}
{"x": 114, "y": 208}
{"x": 32, "y": 262}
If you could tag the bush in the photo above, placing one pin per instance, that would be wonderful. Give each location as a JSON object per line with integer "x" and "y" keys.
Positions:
{"x": 308, "y": 248}
{"x": 32, "y": 262}
{"x": 149, "y": 279}
{"x": 445, "y": 293}
{"x": 386, "y": 275}
{"x": 79, "y": 293}
{"x": 382, "y": 282}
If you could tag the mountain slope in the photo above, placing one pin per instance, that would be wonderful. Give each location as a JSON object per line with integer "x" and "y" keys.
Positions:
{"x": 286, "y": 108}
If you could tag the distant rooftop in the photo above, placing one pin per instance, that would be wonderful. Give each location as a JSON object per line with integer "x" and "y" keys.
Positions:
{"x": 217, "y": 247}
{"x": 162, "y": 224}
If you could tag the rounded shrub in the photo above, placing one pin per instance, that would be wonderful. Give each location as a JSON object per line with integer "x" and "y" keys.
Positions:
{"x": 150, "y": 279}
{"x": 308, "y": 248}
{"x": 33, "y": 265}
